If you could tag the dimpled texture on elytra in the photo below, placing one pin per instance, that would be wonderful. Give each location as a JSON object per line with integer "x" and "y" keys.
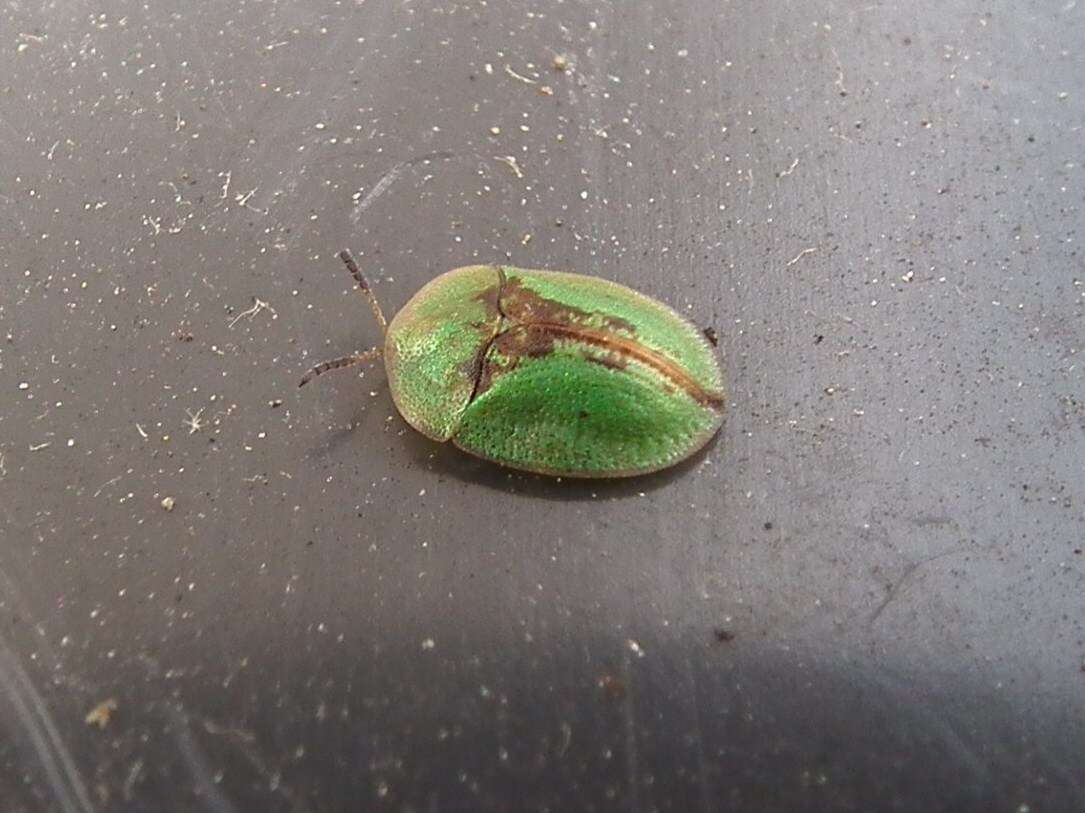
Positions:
{"x": 553, "y": 372}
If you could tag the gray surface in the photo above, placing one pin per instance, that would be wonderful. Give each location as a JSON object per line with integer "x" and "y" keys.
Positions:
{"x": 337, "y": 610}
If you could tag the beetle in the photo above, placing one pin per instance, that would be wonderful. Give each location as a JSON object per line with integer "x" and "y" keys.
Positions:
{"x": 544, "y": 371}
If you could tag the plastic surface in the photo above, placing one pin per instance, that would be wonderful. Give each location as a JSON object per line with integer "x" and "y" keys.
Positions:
{"x": 866, "y": 595}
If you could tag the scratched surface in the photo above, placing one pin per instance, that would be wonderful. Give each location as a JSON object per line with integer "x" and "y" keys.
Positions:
{"x": 867, "y": 595}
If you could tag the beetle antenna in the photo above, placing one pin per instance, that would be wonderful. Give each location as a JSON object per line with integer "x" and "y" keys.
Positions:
{"x": 363, "y": 284}
{"x": 335, "y": 364}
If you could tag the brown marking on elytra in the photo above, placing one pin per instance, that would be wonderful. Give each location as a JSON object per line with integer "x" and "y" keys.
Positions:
{"x": 506, "y": 349}
{"x": 535, "y": 323}
{"x": 630, "y": 349}
{"x": 521, "y": 304}
{"x": 491, "y": 368}
{"x": 537, "y": 340}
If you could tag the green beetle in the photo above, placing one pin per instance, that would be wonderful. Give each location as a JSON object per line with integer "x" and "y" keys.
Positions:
{"x": 547, "y": 372}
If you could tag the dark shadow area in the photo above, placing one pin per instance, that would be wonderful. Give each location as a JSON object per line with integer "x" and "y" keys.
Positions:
{"x": 748, "y": 725}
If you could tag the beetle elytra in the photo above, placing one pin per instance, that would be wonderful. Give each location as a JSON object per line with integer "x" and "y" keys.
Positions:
{"x": 546, "y": 371}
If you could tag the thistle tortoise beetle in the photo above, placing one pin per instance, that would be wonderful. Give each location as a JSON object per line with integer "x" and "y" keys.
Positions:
{"x": 549, "y": 372}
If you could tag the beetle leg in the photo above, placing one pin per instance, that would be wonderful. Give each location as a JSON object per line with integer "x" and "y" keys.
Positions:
{"x": 335, "y": 364}
{"x": 363, "y": 284}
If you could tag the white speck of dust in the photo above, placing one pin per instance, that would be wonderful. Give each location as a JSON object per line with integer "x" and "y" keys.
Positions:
{"x": 23, "y": 385}
{"x": 635, "y": 648}
{"x": 429, "y": 643}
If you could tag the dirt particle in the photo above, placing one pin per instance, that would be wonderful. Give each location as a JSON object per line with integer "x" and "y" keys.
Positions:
{"x": 101, "y": 714}
{"x": 613, "y": 685}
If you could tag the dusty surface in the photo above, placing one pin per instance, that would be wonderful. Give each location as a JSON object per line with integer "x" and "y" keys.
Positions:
{"x": 867, "y": 593}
